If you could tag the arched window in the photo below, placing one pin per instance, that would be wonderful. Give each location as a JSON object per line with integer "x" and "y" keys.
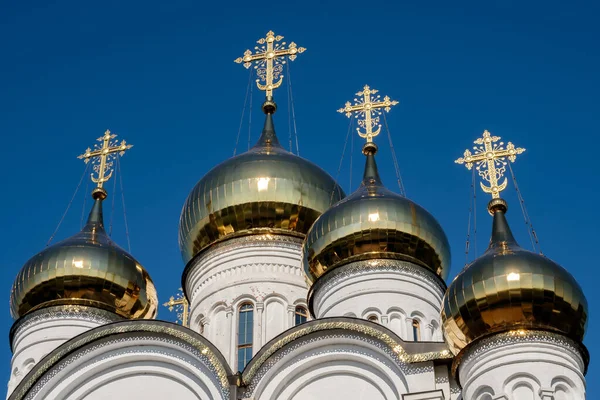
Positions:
{"x": 373, "y": 318}
{"x": 245, "y": 332}
{"x": 416, "y": 330}
{"x": 301, "y": 315}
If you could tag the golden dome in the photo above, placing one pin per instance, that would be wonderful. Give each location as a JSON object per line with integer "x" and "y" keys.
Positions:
{"x": 86, "y": 269}
{"x": 374, "y": 222}
{"x": 264, "y": 188}
{"x": 509, "y": 288}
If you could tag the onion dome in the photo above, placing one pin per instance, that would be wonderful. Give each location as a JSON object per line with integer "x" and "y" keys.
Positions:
{"x": 86, "y": 269}
{"x": 264, "y": 190}
{"x": 509, "y": 288}
{"x": 375, "y": 223}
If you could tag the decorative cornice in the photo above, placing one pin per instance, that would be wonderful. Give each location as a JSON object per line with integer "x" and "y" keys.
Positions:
{"x": 237, "y": 270}
{"x": 234, "y": 243}
{"x": 75, "y": 346}
{"x": 405, "y": 352}
{"x": 91, "y": 314}
{"x": 483, "y": 345}
{"x": 335, "y": 276}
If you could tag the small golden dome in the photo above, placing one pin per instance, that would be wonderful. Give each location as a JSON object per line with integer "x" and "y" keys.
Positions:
{"x": 266, "y": 188}
{"x": 86, "y": 269}
{"x": 374, "y": 222}
{"x": 509, "y": 288}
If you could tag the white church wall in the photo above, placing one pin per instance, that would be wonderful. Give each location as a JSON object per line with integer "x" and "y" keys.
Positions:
{"x": 275, "y": 319}
{"x": 397, "y": 293}
{"x": 40, "y": 332}
{"x": 264, "y": 271}
{"x": 146, "y": 366}
{"x": 523, "y": 365}
{"x": 219, "y": 331}
{"x": 340, "y": 366}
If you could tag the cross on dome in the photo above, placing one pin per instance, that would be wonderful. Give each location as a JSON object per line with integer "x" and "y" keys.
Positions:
{"x": 181, "y": 305}
{"x": 102, "y": 156}
{"x": 490, "y": 161}
{"x": 369, "y": 108}
{"x": 269, "y": 58}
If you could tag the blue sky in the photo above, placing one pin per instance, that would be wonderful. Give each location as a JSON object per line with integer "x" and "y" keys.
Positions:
{"x": 161, "y": 75}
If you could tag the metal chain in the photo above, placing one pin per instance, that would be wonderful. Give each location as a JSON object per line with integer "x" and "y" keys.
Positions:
{"x": 337, "y": 175}
{"x": 471, "y": 204}
{"x": 123, "y": 201}
{"x": 237, "y": 139}
{"x": 475, "y": 212}
{"x": 351, "y": 158}
{"x": 396, "y": 165}
{"x": 112, "y": 209}
{"x": 250, "y": 112}
{"x": 293, "y": 108}
{"x": 289, "y": 108}
{"x": 68, "y": 206}
{"x": 87, "y": 183}
{"x": 532, "y": 235}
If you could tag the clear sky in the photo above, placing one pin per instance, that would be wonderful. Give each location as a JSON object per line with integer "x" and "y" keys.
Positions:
{"x": 161, "y": 75}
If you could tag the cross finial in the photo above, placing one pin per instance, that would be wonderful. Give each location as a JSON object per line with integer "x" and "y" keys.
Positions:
{"x": 368, "y": 109}
{"x": 102, "y": 157}
{"x": 490, "y": 161}
{"x": 181, "y": 305}
{"x": 270, "y": 58}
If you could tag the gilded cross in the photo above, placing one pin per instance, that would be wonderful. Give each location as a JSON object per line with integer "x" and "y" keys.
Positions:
{"x": 181, "y": 306}
{"x": 103, "y": 156}
{"x": 270, "y": 58}
{"x": 368, "y": 109}
{"x": 490, "y": 160}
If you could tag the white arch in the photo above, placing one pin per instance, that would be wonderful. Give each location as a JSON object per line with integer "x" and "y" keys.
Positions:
{"x": 484, "y": 392}
{"x": 113, "y": 368}
{"x": 519, "y": 380}
{"x": 371, "y": 310}
{"x": 338, "y": 356}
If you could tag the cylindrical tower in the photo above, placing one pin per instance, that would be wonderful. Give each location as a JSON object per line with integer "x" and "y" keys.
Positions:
{"x": 379, "y": 256}
{"x": 516, "y": 321}
{"x": 73, "y": 286}
{"x": 240, "y": 233}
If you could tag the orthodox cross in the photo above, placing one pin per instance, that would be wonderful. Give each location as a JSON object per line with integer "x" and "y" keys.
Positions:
{"x": 103, "y": 156}
{"x": 368, "y": 109}
{"x": 181, "y": 306}
{"x": 269, "y": 58}
{"x": 490, "y": 161}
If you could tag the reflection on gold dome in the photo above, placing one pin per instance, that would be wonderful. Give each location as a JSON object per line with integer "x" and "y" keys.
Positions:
{"x": 264, "y": 188}
{"x": 509, "y": 288}
{"x": 85, "y": 269}
{"x": 371, "y": 223}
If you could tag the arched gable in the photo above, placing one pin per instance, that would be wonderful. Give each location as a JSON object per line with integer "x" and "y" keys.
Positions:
{"x": 140, "y": 355}
{"x": 360, "y": 354}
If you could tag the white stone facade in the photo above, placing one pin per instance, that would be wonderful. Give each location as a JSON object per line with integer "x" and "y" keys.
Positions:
{"x": 523, "y": 365}
{"x": 346, "y": 365}
{"x": 42, "y": 331}
{"x": 338, "y": 355}
{"x": 265, "y": 271}
{"x": 400, "y": 295}
{"x": 154, "y": 362}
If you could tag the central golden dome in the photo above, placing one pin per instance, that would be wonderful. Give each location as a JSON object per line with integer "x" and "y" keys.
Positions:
{"x": 374, "y": 222}
{"x": 86, "y": 269}
{"x": 266, "y": 188}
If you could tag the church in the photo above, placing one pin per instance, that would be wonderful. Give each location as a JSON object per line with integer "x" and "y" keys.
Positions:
{"x": 295, "y": 290}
